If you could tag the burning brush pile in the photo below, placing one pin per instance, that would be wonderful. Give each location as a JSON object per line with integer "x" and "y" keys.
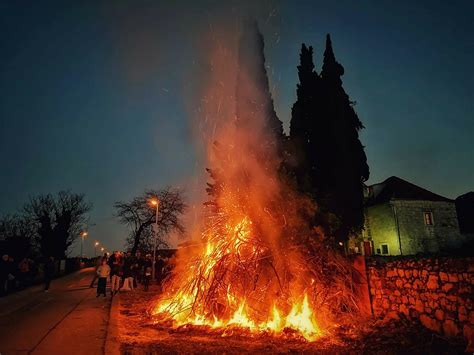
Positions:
{"x": 256, "y": 267}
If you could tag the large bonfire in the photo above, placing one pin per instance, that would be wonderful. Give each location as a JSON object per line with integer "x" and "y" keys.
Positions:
{"x": 256, "y": 266}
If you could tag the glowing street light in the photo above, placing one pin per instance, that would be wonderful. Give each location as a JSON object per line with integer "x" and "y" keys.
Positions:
{"x": 83, "y": 235}
{"x": 95, "y": 248}
{"x": 155, "y": 202}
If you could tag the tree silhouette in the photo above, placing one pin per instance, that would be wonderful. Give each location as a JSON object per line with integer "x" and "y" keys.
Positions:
{"x": 331, "y": 164}
{"x": 302, "y": 130}
{"x": 347, "y": 168}
{"x": 17, "y": 236}
{"x": 253, "y": 103}
{"x": 253, "y": 97}
{"x": 139, "y": 216}
{"x": 58, "y": 221}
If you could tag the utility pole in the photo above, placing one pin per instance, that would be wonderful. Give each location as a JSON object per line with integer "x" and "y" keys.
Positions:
{"x": 157, "y": 204}
{"x": 83, "y": 235}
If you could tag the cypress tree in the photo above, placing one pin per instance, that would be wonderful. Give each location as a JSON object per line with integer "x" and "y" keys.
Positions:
{"x": 253, "y": 102}
{"x": 330, "y": 162}
{"x": 253, "y": 97}
{"x": 346, "y": 161}
{"x": 303, "y": 111}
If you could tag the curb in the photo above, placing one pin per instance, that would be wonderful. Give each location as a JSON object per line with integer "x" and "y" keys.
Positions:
{"x": 112, "y": 340}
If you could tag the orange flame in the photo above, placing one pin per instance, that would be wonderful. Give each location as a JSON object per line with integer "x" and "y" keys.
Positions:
{"x": 300, "y": 319}
{"x": 245, "y": 273}
{"x": 182, "y": 307}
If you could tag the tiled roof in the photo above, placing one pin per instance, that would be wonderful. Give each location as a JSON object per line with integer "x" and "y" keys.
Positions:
{"x": 399, "y": 189}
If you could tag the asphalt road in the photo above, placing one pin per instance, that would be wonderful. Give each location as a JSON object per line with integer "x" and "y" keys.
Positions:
{"x": 68, "y": 319}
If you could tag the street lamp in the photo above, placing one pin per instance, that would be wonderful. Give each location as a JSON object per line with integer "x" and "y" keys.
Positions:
{"x": 155, "y": 202}
{"x": 83, "y": 235}
{"x": 95, "y": 248}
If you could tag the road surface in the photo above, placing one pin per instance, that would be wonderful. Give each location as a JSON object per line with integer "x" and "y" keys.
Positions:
{"x": 69, "y": 319}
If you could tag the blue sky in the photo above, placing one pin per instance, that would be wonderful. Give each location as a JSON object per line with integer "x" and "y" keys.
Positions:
{"x": 95, "y": 95}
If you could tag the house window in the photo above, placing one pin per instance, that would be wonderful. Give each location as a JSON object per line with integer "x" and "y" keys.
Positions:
{"x": 428, "y": 218}
{"x": 384, "y": 249}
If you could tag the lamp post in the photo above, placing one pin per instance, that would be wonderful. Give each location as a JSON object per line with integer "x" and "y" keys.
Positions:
{"x": 95, "y": 248}
{"x": 83, "y": 235}
{"x": 155, "y": 202}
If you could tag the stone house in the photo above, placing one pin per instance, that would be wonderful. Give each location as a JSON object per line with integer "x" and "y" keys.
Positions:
{"x": 404, "y": 219}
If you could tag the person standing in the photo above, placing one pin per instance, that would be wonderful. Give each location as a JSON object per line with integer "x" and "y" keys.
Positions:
{"x": 159, "y": 268}
{"x": 3, "y": 274}
{"x": 24, "y": 270}
{"x": 98, "y": 263}
{"x": 48, "y": 273}
{"x": 102, "y": 272}
{"x": 147, "y": 278}
{"x": 33, "y": 267}
{"x": 127, "y": 272}
{"x": 115, "y": 263}
{"x": 147, "y": 264}
{"x": 12, "y": 273}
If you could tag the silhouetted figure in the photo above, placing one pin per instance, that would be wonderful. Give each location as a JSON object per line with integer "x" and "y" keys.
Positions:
{"x": 128, "y": 282}
{"x": 116, "y": 265}
{"x": 49, "y": 268}
{"x": 148, "y": 271}
{"x": 33, "y": 270}
{"x": 159, "y": 269}
{"x": 98, "y": 263}
{"x": 3, "y": 275}
{"x": 12, "y": 273}
{"x": 23, "y": 272}
{"x": 139, "y": 270}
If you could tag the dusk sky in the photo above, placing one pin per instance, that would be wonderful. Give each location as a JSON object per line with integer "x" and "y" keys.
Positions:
{"x": 95, "y": 95}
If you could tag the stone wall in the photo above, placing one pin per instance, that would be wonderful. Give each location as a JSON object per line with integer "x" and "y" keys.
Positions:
{"x": 439, "y": 292}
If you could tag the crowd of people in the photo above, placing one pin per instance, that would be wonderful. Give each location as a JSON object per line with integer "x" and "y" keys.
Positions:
{"x": 121, "y": 270}
{"x": 125, "y": 272}
{"x": 16, "y": 275}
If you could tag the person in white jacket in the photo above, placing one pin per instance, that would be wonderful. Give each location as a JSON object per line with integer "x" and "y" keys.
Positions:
{"x": 103, "y": 271}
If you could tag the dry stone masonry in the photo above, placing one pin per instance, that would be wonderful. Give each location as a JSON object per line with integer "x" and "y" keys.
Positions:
{"x": 436, "y": 291}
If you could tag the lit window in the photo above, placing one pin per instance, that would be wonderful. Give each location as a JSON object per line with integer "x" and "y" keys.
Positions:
{"x": 428, "y": 217}
{"x": 384, "y": 249}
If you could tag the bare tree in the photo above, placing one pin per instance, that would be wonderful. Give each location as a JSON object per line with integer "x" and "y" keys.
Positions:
{"x": 58, "y": 220}
{"x": 139, "y": 216}
{"x": 17, "y": 236}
